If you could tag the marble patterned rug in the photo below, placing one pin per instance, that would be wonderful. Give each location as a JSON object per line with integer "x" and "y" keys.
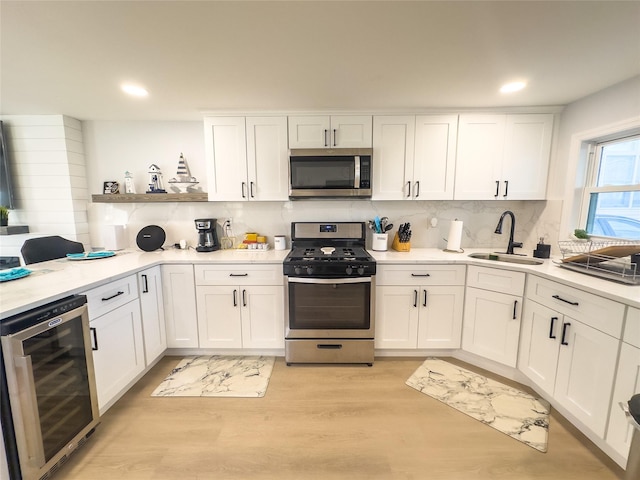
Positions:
{"x": 507, "y": 409}
{"x": 218, "y": 376}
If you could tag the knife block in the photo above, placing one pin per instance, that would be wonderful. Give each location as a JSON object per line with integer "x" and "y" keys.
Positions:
{"x": 400, "y": 247}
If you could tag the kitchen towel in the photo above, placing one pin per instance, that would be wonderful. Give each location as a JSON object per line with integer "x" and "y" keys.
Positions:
{"x": 218, "y": 376}
{"x": 454, "y": 239}
{"x": 507, "y": 409}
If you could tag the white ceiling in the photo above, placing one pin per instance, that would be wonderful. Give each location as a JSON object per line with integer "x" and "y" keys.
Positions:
{"x": 69, "y": 57}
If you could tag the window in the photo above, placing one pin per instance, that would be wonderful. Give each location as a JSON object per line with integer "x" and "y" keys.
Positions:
{"x": 611, "y": 206}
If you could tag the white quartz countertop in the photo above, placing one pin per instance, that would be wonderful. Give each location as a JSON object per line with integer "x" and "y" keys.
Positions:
{"x": 56, "y": 279}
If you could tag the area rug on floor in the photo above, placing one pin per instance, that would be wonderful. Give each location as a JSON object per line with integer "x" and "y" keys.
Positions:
{"x": 507, "y": 409}
{"x": 218, "y": 376}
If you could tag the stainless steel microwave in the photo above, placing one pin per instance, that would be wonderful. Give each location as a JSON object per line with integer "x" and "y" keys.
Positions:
{"x": 330, "y": 172}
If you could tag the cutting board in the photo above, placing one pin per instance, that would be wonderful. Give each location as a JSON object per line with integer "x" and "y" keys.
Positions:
{"x": 615, "y": 251}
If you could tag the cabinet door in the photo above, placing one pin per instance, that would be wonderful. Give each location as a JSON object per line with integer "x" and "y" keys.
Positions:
{"x": 479, "y": 159}
{"x": 267, "y": 158}
{"x": 219, "y": 322}
{"x": 526, "y": 156}
{"x": 119, "y": 353}
{"x": 627, "y": 384}
{"x": 393, "y": 144}
{"x": 435, "y": 156}
{"x": 179, "y": 294}
{"x": 351, "y": 131}
{"x": 440, "y": 320}
{"x": 540, "y": 345}
{"x": 586, "y": 369}
{"x": 226, "y": 155}
{"x": 396, "y": 317}
{"x": 262, "y": 317}
{"x": 309, "y": 131}
{"x": 152, "y": 309}
{"x": 492, "y": 325}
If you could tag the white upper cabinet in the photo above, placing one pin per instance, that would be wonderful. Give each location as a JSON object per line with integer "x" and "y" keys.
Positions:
{"x": 246, "y": 158}
{"x": 503, "y": 156}
{"x": 324, "y": 131}
{"x": 414, "y": 157}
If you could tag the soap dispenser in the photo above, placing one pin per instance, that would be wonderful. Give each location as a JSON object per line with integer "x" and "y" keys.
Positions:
{"x": 542, "y": 249}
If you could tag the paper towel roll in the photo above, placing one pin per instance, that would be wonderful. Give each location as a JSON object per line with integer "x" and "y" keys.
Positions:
{"x": 455, "y": 236}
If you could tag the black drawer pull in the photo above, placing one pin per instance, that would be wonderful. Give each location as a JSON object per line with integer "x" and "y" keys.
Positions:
{"x": 94, "y": 334}
{"x": 328, "y": 346}
{"x": 238, "y": 274}
{"x": 564, "y": 334}
{"x": 551, "y": 325}
{"x": 420, "y": 274}
{"x": 112, "y": 296}
{"x": 558, "y": 297}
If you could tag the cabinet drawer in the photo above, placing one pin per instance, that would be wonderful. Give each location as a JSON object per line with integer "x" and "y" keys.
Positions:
{"x": 598, "y": 312}
{"x": 242, "y": 274}
{"x": 112, "y": 295}
{"x": 503, "y": 281}
{"x": 632, "y": 327}
{"x": 420, "y": 275}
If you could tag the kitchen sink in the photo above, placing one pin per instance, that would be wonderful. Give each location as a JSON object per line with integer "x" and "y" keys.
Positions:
{"x": 503, "y": 257}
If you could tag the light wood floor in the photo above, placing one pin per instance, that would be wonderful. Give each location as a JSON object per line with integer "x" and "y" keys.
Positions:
{"x": 320, "y": 422}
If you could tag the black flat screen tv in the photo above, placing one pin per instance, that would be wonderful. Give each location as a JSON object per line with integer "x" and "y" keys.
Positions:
{"x": 6, "y": 180}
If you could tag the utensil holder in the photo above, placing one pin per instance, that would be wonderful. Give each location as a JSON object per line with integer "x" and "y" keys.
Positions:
{"x": 400, "y": 247}
{"x": 379, "y": 242}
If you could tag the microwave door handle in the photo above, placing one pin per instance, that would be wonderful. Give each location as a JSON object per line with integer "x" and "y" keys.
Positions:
{"x": 33, "y": 435}
{"x": 356, "y": 175}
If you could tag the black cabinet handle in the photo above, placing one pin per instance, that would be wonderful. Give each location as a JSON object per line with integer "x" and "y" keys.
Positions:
{"x": 417, "y": 189}
{"x": 506, "y": 188}
{"x": 326, "y": 144}
{"x": 251, "y": 190}
{"x": 335, "y": 141}
{"x": 244, "y": 187}
{"x": 94, "y": 334}
{"x": 235, "y": 297}
{"x": 244, "y": 298}
{"x": 497, "y": 188}
{"x": 558, "y": 297}
{"x": 551, "y": 327}
{"x": 424, "y": 303}
{"x": 420, "y": 274}
{"x": 515, "y": 308}
{"x": 145, "y": 284}
{"x": 564, "y": 333}
{"x": 408, "y": 189}
{"x": 415, "y": 298}
{"x": 238, "y": 274}
{"x": 112, "y": 296}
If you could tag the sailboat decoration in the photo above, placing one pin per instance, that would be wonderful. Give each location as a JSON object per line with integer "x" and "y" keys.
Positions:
{"x": 183, "y": 179}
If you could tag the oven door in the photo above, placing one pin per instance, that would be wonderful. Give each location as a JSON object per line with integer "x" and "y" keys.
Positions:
{"x": 330, "y": 307}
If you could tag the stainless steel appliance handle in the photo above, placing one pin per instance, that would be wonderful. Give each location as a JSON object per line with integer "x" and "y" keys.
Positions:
{"x": 330, "y": 281}
{"x": 33, "y": 435}
{"x": 356, "y": 175}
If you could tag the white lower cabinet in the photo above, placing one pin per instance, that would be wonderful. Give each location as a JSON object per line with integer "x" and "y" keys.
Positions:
{"x": 152, "y": 309}
{"x": 179, "y": 295}
{"x": 240, "y": 306}
{"x": 419, "y": 306}
{"x": 492, "y": 313}
{"x": 117, "y": 341}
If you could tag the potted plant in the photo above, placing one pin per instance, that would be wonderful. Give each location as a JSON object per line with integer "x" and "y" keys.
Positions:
{"x": 4, "y": 216}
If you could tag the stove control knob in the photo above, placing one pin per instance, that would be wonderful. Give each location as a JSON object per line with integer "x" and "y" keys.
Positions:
{"x": 297, "y": 270}
{"x": 360, "y": 270}
{"x": 349, "y": 270}
{"x": 309, "y": 270}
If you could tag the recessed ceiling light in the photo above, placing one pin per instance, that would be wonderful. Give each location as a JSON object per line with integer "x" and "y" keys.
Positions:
{"x": 512, "y": 87}
{"x": 135, "y": 90}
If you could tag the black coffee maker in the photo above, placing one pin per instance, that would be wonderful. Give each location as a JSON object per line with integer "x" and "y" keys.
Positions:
{"x": 207, "y": 237}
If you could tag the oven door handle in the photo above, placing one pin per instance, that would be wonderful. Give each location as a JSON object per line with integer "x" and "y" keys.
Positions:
{"x": 329, "y": 281}
{"x": 33, "y": 435}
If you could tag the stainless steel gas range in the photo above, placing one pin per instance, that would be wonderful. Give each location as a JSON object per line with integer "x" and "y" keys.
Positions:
{"x": 330, "y": 294}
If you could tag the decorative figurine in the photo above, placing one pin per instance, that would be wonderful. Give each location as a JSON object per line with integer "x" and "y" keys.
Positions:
{"x": 183, "y": 179}
{"x": 155, "y": 180}
{"x": 129, "y": 186}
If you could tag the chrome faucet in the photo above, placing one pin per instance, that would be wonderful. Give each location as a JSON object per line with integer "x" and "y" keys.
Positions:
{"x": 512, "y": 244}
